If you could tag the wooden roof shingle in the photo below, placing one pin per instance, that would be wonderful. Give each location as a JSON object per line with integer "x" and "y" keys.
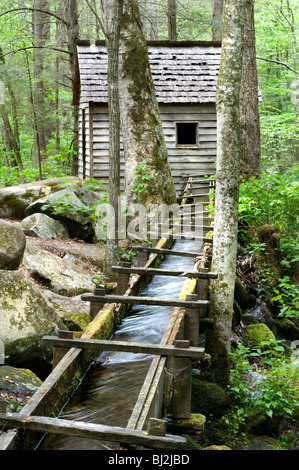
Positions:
{"x": 183, "y": 72}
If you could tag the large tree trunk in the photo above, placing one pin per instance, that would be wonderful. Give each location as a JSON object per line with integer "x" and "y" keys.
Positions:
{"x": 144, "y": 145}
{"x": 112, "y": 17}
{"x": 227, "y": 188}
{"x": 249, "y": 107}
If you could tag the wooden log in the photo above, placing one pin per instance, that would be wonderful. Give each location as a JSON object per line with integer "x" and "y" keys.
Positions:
{"x": 165, "y": 272}
{"x": 184, "y": 234}
{"x": 121, "y": 346}
{"x": 134, "y": 300}
{"x": 181, "y": 398}
{"x": 169, "y": 252}
{"x": 91, "y": 431}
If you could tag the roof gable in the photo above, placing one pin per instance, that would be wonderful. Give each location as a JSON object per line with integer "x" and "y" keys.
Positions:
{"x": 183, "y": 72}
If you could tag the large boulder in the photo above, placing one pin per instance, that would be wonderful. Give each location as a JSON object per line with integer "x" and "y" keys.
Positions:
{"x": 66, "y": 207}
{"x": 14, "y": 200}
{"x": 43, "y": 226}
{"x": 17, "y": 385}
{"x": 26, "y": 316}
{"x": 73, "y": 311}
{"x": 60, "y": 276}
{"x": 12, "y": 245}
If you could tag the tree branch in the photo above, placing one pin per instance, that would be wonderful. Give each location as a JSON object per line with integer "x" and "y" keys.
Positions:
{"x": 35, "y": 9}
{"x": 36, "y": 47}
{"x": 279, "y": 63}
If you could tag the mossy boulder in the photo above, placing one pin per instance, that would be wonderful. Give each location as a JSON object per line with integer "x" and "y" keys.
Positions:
{"x": 73, "y": 311}
{"x": 43, "y": 226}
{"x": 208, "y": 398}
{"x": 66, "y": 207}
{"x": 255, "y": 334}
{"x": 59, "y": 275}
{"x": 26, "y": 316}
{"x": 14, "y": 200}
{"x": 194, "y": 424}
{"x": 242, "y": 297}
{"x": 17, "y": 385}
{"x": 286, "y": 328}
{"x": 12, "y": 245}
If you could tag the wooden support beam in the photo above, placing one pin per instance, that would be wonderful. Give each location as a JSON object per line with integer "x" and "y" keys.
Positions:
{"x": 165, "y": 272}
{"x": 122, "y": 346}
{"x": 59, "y": 353}
{"x": 191, "y": 322}
{"x": 203, "y": 291}
{"x": 123, "y": 279}
{"x": 178, "y": 236}
{"x": 169, "y": 252}
{"x": 130, "y": 299}
{"x": 91, "y": 431}
{"x": 182, "y": 371}
{"x": 95, "y": 307}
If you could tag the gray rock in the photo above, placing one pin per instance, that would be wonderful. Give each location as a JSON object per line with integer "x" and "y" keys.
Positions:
{"x": 66, "y": 207}
{"x": 26, "y": 316}
{"x": 58, "y": 275}
{"x": 14, "y": 200}
{"x": 43, "y": 226}
{"x": 12, "y": 245}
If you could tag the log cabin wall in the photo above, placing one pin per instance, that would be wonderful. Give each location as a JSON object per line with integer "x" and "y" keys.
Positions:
{"x": 185, "y": 76}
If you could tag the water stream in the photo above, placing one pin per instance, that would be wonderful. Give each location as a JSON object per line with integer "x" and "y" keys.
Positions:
{"x": 108, "y": 393}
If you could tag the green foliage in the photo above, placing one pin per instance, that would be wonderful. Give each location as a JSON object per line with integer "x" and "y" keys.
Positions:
{"x": 141, "y": 177}
{"x": 274, "y": 395}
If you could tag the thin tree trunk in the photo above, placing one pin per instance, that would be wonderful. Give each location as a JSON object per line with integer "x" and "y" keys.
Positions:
{"x": 249, "y": 106}
{"x": 171, "y": 16}
{"x": 72, "y": 19}
{"x": 41, "y": 25}
{"x": 227, "y": 189}
{"x": 217, "y": 18}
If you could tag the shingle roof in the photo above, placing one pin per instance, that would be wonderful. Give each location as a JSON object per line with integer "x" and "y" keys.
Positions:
{"x": 184, "y": 72}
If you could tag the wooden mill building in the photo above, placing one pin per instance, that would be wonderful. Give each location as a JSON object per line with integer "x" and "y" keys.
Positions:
{"x": 185, "y": 75}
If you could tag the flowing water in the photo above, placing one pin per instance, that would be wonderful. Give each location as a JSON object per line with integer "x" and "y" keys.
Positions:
{"x": 108, "y": 393}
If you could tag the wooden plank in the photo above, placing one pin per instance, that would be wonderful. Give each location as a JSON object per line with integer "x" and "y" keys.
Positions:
{"x": 165, "y": 272}
{"x": 121, "y": 346}
{"x": 91, "y": 431}
{"x": 167, "y": 252}
{"x": 129, "y": 299}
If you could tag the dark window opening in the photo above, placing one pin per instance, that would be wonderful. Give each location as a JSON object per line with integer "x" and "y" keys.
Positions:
{"x": 186, "y": 134}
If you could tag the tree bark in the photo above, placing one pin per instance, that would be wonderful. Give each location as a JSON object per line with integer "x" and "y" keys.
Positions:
{"x": 227, "y": 188}
{"x": 112, "y": 18}
{"x": 217, "y": 13}
{"x": 72, "y": 20}
{"x": 144, "y": 145}
{"x": 41, "y": 28}
{"x": 171, "y": 16}
{"x": 249, "y": 106}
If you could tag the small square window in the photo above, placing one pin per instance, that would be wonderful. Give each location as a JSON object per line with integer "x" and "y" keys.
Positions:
{"x": 186, "y": 134}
